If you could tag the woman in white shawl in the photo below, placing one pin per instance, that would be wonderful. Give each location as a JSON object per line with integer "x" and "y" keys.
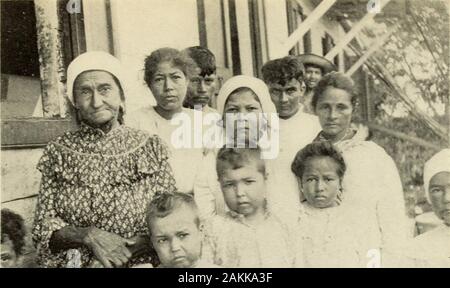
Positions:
{"x": 258, "y": 123}
{"x": 433, "y": 248}
{"x": 372, "y": 183}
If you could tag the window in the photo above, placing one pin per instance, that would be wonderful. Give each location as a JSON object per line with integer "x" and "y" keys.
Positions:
{"x": 327, "y": 45}
{"x": 296, "y": 16}
{"x": 258, "y": 35}
{"x": 38, "y": 40}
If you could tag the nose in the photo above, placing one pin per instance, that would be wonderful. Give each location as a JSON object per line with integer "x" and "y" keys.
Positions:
{"x": 447, "y": 194}
{"x": 97, "y": 100}
{"x": 332, "y": 113}
{"x": 284, "y": 97}
{"x": 175, "y": 245}
{"x": 168, "y": 84}
{"x": 320, "y": 185}
{"x": 202, "y": 86}
{"x": 239, "y": 190}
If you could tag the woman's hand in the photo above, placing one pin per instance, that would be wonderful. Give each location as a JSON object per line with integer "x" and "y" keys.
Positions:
{"x": 109, "y": 248}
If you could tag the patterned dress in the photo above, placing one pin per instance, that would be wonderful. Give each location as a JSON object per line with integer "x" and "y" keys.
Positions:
{"x": 90, "y": 178}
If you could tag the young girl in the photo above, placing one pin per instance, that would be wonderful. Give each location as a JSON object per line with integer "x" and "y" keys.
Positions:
{"x": 327, "y": 236}
{"x": 248, "y": 236}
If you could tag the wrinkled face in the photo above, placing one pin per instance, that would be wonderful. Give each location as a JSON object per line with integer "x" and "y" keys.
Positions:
{"x": 169, "y": 86}
{"x": 286, "y": 98}
{"x": 244, "y": 189}
{"x": 439, "y": 191}
{"x": 97, "y": 97}
{"x": 334, "y": 109}
{"x": 177, "y": 238}
{"x": 243, "y": 109}
{"x": 320, "y": 182}
{"x": 9, "y": 257}
{"x": 201, "y": 89}
{"x": 312, "y": 76}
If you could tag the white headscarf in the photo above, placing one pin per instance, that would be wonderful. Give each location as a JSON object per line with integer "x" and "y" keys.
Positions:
{"x": 440, "y": 162}
{"x": 255, "y": 84}
{"x": 94, "y": 60}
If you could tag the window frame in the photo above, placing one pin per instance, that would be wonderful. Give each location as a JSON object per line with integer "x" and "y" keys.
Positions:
{"x": 59, "y": 45}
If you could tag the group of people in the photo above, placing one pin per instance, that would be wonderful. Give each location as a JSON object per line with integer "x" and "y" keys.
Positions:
{"x": 119, "y": 191}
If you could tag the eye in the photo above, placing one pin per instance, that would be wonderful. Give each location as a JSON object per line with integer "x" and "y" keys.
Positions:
{"x": 310, "y": 179}
{"x": 158, "y": 79}
{"x": 209, "y": 81}
{"x": 176, "y": 77}
{"x": 161, "y": 241}
{"x": 291, "y": 90}
{"x": 183, "y": 235}
{"x": 105, "y": 89}
{"x": 249, "y": 182}
{"x": 436, "y": 190}
{"x": 232, "y": 110}
{"x": 328, "y": 179}
{"x": 252, "y": 108}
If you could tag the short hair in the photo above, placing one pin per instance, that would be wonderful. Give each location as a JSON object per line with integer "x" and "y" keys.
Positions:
{"x": 13, "y": 227}
{"x": 204, "y": 59}
{"x": 337, "y": 80}
{"x": 164, "y": 204}
{"x": 235, "y": 158}
{"x": 178, "y": 59}
{"x": 317, "y": 149}
{"x": 282, "y": 70}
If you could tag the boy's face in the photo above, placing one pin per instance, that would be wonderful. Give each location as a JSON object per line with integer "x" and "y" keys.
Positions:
{"x": 439, "y": 191}
{"x": 313, "y": 75}
{"x": 244, "y": 189}
{"x": 320, "y": 182}
{"x": 201, "y": 89}
{"x": 177, "y": 238}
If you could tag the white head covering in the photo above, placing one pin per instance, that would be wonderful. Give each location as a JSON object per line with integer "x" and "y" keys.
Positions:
{"x": 94, "y": 60}
{"x": 440, "y": 162}
{"x": 255, "y": 84}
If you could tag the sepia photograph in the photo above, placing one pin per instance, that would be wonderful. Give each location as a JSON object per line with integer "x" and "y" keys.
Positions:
{"x": 225, "y": 134}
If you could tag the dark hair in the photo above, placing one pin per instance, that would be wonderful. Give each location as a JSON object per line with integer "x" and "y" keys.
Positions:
{"x": 317, "y": 149}
{"x": 337, "y": 80}
{"x": 164, "y": 204}
{"x": 235, "y": 158}
{"x": 178, "y": 59}
{"x": 204, "y": 59}
{"x": 282, "y": 70}
{"x": 13, "y": 227}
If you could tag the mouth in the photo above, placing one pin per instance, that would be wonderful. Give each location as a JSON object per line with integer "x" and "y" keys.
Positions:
{"x": 320, "y": 198}
{"x": 179, "y": 259}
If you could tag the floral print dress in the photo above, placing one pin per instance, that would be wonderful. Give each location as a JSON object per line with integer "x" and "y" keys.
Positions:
{"x": 90, "y": 178}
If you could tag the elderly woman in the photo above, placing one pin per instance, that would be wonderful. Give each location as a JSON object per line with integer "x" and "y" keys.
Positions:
{"x": 433, "y": 248}
{"x": 167, "y": 74}
{"x": 98, "y": 180}
{"x": 372, "y": 183}
{"x": 248, "y": 119}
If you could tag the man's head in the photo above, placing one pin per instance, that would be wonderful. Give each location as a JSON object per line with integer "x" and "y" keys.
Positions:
{"x": 174, "y": 227}
{"x": 284, "y": 77}
{"x": 203, "y": 83}
{"x": 315, "y": 68}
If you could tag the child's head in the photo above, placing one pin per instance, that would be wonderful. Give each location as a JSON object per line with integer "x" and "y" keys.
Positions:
{"x": 174, "y": 228}
{"x": 242, "y": 176}
{"x": 13, "y": 234}
{"x": 319, "y": 168}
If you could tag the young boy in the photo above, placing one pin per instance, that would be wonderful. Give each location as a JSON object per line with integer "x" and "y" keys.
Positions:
{"x": 203, "y": 84}
{"x": 249, "y": 236}
{"x": 13, "y": 234}
{"x": 176, "y": 232}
